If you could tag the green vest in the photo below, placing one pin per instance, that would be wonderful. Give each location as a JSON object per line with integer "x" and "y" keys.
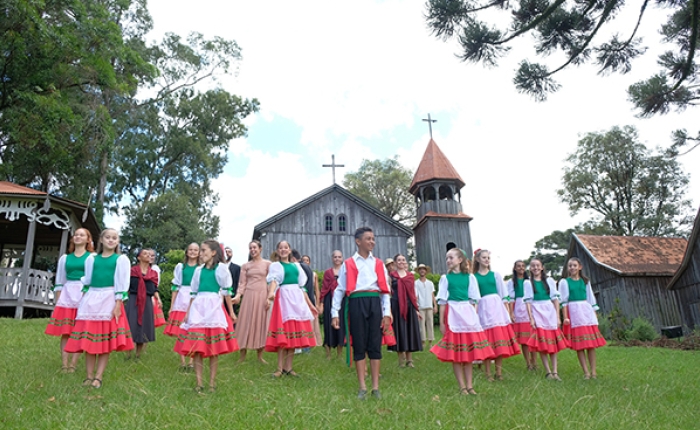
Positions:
{"x": 458, "y": 287}
{"x": 487, "y": 284}
{"x": 539, "y": 291}
{"x": 577, "y": 290}
{"x": 75, "y": 266}
{"x": 103, "y": 271}
{"x": 291, "y": 273}
{"x": 187, "y": 274}
{"x": 207, "y": 281}
{"x": 518, "y": 287}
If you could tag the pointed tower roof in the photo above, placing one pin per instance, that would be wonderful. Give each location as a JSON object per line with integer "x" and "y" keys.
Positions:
{"x": 434, "y": 165}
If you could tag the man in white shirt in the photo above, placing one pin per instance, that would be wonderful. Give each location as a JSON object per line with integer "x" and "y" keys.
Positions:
{"x": 363, "y": 279}
{"x": 427, "y": 306}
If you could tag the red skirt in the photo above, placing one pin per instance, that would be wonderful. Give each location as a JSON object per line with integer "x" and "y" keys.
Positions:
{"x": 462, "y": 347}
{"x": 502, "y": 341}
{"x": 288, "y": 335}
{"x": 100, "y": 336}
{"x": 549, "y": 341}
{"x": 61, "y": 322}
{"x": 209, "y": 342}
{"x": 175, "y": 318}
{"x": 158, "y": 317}
{"x": 230, "y": 333}
{"x": 584, "y": 337}
{"x": 524, "y": 334}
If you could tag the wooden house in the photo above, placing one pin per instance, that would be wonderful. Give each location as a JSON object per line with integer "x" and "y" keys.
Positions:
{"x": 686, "y": 281}
{"x": 632, "y": 273}
{"x": 34, "y": 231}
{"x": 326, "y": 221}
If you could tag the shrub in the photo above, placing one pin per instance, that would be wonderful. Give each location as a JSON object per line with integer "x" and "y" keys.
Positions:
{"x": 604, "y": 327}
{"x": 642, "y": 330}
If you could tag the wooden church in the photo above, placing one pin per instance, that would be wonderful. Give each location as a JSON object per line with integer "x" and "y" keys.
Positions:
{"x": 441, "y": 224}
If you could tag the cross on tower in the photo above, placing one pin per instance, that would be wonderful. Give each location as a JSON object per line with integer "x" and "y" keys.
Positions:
{"x": 430, "y": 124}
{"x": 333, "y": 166}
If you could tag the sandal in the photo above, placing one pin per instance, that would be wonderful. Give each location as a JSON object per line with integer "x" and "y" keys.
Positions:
{"x": 64, "y": 369}
{"x": 199, "y": 389}
{"x": 212, "y": 388}
{"x": 464, "y": 391}
{"x": 489, "y": 378}
{"x": 290, "y": 372}
{"x": 71, "y": 369}
{"x": 278, "y": 373}
{"x": 471, "y": 391}
{"x": 556, "y": 377}
{"x": 586, "y": 376}
{"x": 99, "y": 383}
{"x": 499, "y": 377}
{"x": 87, "y": 382}
{"x": 409, "y": 363}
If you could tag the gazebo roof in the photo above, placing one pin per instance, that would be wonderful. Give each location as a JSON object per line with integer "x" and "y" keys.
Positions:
{"x": 434, "y": 165}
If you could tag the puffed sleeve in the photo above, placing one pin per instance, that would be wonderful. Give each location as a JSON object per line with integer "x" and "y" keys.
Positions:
{"x": 590, "y": 297}
{"x": 553, "y": 291}
{"x": 223, "y": 278}
{"x": 339, "y": 292}
{"x": 194, "y": 285}
{"x": 442, "y": 294}
{"x": 510, "y": 285}
{"x": 501, "y": 287}
{"x": 87, "y": 278}
{"x": 474, "y": 293}
{"x": 177, "y": 278}
{"x": 122, "y": 278}
{"x": 302, "y": 276}
{"x": 564, "y": 292}
{"x": 60, "y": 273}
{"x": 528, "y": 292}
{"x": 276, "y": 273}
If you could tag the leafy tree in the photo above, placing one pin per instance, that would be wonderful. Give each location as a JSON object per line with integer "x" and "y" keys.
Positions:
{"x": 167, "y": 265}
{"x": 634, "y": 192}
{"x": 576, "y": 29}
{"x": 384, "y": 184}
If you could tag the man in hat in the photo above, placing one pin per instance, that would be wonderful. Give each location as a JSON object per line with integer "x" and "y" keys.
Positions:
{"x": 427, "y": 306}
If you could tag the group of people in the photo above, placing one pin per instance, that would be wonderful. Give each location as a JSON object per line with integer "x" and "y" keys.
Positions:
{"x": 365, "y": 303}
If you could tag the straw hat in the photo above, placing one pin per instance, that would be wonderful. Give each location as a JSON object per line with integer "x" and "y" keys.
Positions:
{"x": 423, "y": 266}
{"x": 388, "y": 261}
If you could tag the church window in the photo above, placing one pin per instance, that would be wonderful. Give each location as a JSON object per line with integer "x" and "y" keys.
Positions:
{"x": 342, "y": 223}
{"x": 445, "y": 193}
{"x": 429, "y": 194}
{"x": 329, "y": 223}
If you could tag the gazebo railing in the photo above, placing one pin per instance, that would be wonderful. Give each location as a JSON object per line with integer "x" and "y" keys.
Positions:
{"x": 38, "y": 284}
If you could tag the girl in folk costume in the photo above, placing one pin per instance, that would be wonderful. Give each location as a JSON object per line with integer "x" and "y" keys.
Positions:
{"x": 580, "y": 320}
{"x": 158, "y": 316}
{"x": 518, "y": 313}
{"x": 463, "y": 340}
{"x": 100, "y": 324}
{"x": 292, "y": 311}
{"x": 143, "y": 290}
{"x": 68, "y": 290}
{"x": 205, "y": 329}
{"x": 317, "y": 293}
{"x": 404, "y": 308}
{"x": 332, "y": 338}
{"x": 542, "y": 301}
{"x": 493, "y": 312}
{"x": 180, "y": 299}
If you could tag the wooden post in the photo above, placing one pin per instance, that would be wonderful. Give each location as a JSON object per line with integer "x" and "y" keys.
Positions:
{"x": 24, "y": 280}
{"x": 64, "y": 243}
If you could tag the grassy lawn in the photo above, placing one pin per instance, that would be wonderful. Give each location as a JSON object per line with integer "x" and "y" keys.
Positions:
{"x": 637, "y": 388}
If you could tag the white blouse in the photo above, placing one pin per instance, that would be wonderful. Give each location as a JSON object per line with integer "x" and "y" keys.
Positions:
{"x": 564, "y": 291}
{"x": 529, "y": 293}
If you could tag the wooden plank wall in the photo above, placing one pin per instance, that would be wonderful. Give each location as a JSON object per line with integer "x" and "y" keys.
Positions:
{"x": 434, "y": 234}
{"x": 688, "y": 289}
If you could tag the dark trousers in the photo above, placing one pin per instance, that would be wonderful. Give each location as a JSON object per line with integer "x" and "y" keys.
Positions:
{"x": 365, "y": 318}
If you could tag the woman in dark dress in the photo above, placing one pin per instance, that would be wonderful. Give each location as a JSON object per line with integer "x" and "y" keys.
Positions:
{"x": 332, "y": 338}
{"x": 404, "y": 308}
{"x": 143, "y": 288}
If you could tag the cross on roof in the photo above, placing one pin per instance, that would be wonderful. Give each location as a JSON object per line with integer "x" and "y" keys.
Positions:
{"x": 333, "y": 166}
{"x": 430, "y": 122}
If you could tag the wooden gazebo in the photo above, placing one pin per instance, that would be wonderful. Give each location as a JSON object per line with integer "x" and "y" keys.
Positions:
{"x": 34, "y": 223}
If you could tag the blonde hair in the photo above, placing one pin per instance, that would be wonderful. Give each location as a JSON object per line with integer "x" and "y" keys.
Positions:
{"x": 477, "y": 266}
{"x": 465, "y": 265}
{"x": 100, "y": 247}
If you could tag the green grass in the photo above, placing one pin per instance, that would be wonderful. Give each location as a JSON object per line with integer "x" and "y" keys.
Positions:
{"x": 638, "y": 388}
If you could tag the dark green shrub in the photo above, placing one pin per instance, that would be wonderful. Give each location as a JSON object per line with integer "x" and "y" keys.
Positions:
{"x": 642, "y": 330}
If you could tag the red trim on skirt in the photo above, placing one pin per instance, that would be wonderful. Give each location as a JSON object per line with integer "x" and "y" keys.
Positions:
{"x": 61, "y": 322}
{"x": 175, "y": 319}
{"x": 524, "y": 334}
{"x": 549, "y": 341}
{"x": 206, "y": 341}
{"x": 230, "y": 333}
{"x": 158, "y": 316}
{"x": 291, "y": 334}
{"x": 585, "y": 337}
{"x": 101, "y": 337}
{"x": 462, "y": 347}
{"x": 502, "y": 341}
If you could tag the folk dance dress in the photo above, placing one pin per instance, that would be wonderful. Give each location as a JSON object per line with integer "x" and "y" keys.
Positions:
{"x": 96, "y": 331}
{"x": 253, "y": 318}
{"x": 332, "y": 338}
{"x": 464, "y": 340}
{"x": 207, "y": 330}
{"x": 182, "y": 279}
{"x": 521, "y": 326}
{"x": 582, "y": 332}
{"x": 404, "y": 308}
{"x": 493, "y": 315}
{"x": 549, "y": 339}
{"x": 291, "y": 319}
{"x": 140, "y": 308}
{"x": 68, "y": 273}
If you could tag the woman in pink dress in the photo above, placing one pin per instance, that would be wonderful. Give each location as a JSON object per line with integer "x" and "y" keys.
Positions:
{"x": 253, "y": 317}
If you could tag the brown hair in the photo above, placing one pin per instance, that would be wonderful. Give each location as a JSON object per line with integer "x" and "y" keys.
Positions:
{"x": 274, "y": 256}
{"x": 565, "y": 272}
{"x": 218, "y": 253}
{"x": 543, "y": 277}
{"x": 89, "y": 247}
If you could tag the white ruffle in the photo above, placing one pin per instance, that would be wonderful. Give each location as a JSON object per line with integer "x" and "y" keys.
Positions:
{"x": 462, "y": 318}
{"x": 206, "y": 312}
{"x": 492, "y": 312}
{"x": 71, "y": 294}
{"x": 520, "y": 311}
{"x": 292, "y": 304}
{"x": 582, "y": 314}
{"x": 97, "y": 305}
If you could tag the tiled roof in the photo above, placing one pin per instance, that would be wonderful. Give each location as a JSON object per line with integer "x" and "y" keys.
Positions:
{"x": 434, "y": 165}
{"x": 10, "y": 188}
{"x": 433, "y": 214}
{"x": 636, "y": 255}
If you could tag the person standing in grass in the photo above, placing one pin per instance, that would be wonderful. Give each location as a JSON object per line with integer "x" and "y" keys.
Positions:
{"x": 100, "y": 324}
{"x": 518, "y": 313}
{"x": 463, "y": 340}
{"x": 363, "y": 279}
{"x": 292, "y": 311}
{"x": 580, "y": 319}
{"x": 158, "y": 316}
{"x": 315, "y": 298}
{"x": 542, "y": 301}
{"x": 206, "y": 331}
{"x": 425, "y": 292}
{"x": 332, "y": 337}
{"x": 493, "y": 312}
{"x": 180, "y": 299}
{"x": 404, "y": 305}
{"x": 68, "y": 290}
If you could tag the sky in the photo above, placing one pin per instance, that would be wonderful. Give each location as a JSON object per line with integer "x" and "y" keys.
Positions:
{"x": 355, "y": 79}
